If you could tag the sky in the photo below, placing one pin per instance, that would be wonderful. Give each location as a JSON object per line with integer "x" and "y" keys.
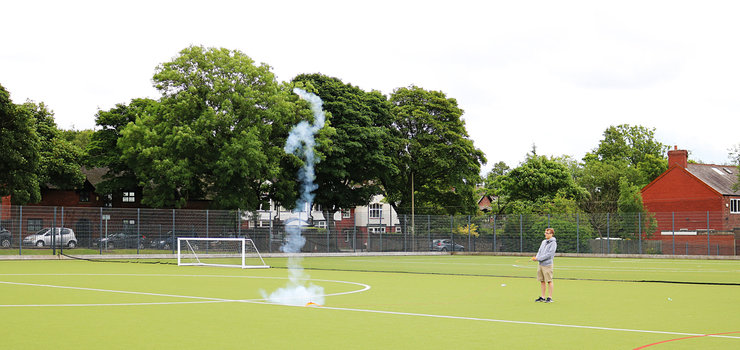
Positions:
{"x": 544, "y": 75}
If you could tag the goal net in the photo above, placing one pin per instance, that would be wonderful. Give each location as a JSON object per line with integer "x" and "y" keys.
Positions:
{"x": 226, "y": 252}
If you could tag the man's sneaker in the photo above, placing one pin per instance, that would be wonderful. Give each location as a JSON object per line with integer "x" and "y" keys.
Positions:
{"x": 549, "y": 300}
{"x": 540, "y": 299}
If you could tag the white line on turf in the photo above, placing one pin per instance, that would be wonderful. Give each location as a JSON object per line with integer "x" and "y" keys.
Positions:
{"x": 524, "y": 322}
{"x": 364, "y": 287}
{"x": 262, "y": 301}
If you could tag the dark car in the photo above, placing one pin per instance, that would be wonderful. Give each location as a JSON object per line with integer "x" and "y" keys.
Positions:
{"x": 5, "y": 237}
{"x": 443, "y": 245}
{"x": 169, "y": 242}
{"x": 166, "y": 241}
{"x": 122, "y": 240}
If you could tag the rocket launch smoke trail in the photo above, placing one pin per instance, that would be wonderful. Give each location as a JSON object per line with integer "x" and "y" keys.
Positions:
{"x": 301, "y": 143}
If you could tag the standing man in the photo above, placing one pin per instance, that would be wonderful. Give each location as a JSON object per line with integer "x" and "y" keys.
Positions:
{"x": 545, "y": 256}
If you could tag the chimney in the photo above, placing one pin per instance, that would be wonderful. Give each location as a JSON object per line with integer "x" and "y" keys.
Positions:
{"x": 678, "y": 157}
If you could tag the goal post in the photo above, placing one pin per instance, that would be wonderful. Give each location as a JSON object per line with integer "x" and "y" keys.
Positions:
{"x": 224, "y": 252}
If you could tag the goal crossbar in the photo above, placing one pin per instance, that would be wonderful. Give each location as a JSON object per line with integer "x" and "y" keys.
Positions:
{"x": 222, "y": 252}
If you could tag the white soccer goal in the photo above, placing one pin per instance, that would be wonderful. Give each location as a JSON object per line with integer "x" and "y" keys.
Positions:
{"x": 225, "y": 252}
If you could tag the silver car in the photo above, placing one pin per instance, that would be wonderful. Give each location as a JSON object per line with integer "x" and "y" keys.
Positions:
{"x": 443, "y": 245}
{"x": 43, "y": 237}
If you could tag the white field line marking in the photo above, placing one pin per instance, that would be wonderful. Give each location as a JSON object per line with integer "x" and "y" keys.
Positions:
{"x": 262, "y": 301}
{"x": 525, "y": 322}
{"x": 365, "y": 287}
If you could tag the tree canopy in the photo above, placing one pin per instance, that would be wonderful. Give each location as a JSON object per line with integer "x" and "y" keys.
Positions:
{"x": 434, "y": 154}
{"x": 60, "y": 160}
{"x": 103, "y": 151}
{"x": 218, "y": 133}
{"x": 20, "y": 156}
{"x": 357, "y": 152}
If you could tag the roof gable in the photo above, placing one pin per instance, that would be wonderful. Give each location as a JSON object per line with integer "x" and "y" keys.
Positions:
{"x": 664, "y": 186}
{"x": 719, "y": 177}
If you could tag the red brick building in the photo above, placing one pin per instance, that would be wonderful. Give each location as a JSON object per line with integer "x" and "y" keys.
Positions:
{"x": 690, "y": 200}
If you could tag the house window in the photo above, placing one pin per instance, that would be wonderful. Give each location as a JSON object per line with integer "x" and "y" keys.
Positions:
{"x": 376, "y": 211}
{"x": 346, "y": 214}
{"x": 129, "y": 197}
{"x": 129, "y": 225}
{"x": 376, "y": 229}
{"x": 108, "y": 201}
{"x": 34, "y": 225}
{"x": 84, "y": 196}
{"x": 735, "y": 206}
{"x": 321, "y": 224}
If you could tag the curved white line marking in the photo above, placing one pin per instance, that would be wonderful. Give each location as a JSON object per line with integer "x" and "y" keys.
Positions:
{"x": 365, "y": 287}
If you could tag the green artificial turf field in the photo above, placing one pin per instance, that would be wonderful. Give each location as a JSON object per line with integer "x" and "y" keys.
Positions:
{"x": 373, "y": 302}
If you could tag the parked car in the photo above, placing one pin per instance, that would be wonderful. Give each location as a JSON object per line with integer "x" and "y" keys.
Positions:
{"x": 443, "y": 245}
{"x": 166, "y": 241}
{"x": 122, "y": 240}
{"x": 5, "y": 237}
{"x": 43, "y": 237}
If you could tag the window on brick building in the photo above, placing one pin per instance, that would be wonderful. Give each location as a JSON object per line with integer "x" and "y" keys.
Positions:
{"x": 735, "y": 206}
{"x": 129, "y": 197}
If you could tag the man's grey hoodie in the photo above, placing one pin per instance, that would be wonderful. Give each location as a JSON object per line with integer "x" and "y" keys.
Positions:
{"x": 546, "y": 253}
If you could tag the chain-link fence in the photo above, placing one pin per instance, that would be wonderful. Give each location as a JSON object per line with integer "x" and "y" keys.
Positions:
{"x": 28, "y": 230}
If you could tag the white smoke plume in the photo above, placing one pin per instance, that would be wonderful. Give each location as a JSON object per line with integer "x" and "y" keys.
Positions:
{"x": 301, "y": 143}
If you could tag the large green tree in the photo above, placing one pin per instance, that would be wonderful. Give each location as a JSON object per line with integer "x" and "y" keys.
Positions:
{"x": 632, "y": 144}
{"x": 625, "y": 151}
{"x": 626, "y": 159}
{"x": 434, "y": 154}
{"x": 60, "y": 160}
{"x": 20, "y": 156}
{"x": 219, "y": 133}
{"x": 538, "y": 184}
{"x": 103, "y": 150}
{"x": 358, "y": 153}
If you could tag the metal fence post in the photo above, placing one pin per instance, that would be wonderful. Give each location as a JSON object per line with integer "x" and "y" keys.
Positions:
{"x": 53, "y": 228}
{"x": 429, "y": 230}
{"x": 272, "y": 233}
{"x": 172, "y": 246}
{"x": 452, "y": 232}
{"x": 639, "y": 231}
{"x": 138, "y": 230}
{"x": 470, "y": 246}
{"x": 673, "y": 230}
{"x": 61, "y": 237}
{"x": 100, "y": 232}
{"x": 578, "y": 227}
{"x": 493, "y": 249}
{"x": 521, "y": 233}
{"x": 354, "y": 230}
{"x": 20, "y": 231}
{"x": 608, "y": 234}
{"x": 709, "y": 251}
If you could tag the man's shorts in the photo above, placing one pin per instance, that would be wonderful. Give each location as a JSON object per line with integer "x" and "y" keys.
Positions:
{"x": 544, "y": 273}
